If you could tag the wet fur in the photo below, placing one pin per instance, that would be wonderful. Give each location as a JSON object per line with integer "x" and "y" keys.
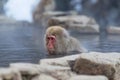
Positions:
{"x": 64, "y": 42}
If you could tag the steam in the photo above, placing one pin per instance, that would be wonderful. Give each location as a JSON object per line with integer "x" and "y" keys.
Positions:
{"x": 20, "y": 9}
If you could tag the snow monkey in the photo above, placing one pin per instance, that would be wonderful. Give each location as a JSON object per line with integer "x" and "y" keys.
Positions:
{"x": 59, "y": 41}
{"x": 41, "y": 8}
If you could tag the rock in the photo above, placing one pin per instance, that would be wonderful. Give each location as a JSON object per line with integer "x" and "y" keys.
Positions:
{"x": 95, "y": 63}
{"x": 58, "y": 67}
{"x": 80, "y": 23}
{"x": 9, "y": 74}
{"x": 113, "y": 30}
{"x": 46, "y": 68}
{"x": 1, "y": 78}
{"x": 44, "y": 77}
{"x": 63, "y": 61}
{"x": 88, "y": 77}
{"x": 56, "y": 71}
{"x": 27, "y": 70}
{"x": 55, "y": 13}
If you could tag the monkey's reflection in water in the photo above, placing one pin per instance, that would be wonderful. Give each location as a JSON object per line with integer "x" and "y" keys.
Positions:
{"x": 58, "y": 42}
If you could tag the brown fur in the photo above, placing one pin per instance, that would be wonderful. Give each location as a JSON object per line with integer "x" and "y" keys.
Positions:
{"x": 43, "y": 6}
{"x": 64, "y": 42}
{"x": 55, "y": 22}
{"x": 83, "y": 66}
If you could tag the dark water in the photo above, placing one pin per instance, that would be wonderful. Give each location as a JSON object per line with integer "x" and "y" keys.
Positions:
{"x": 106, "y": 45}
{"x": 20, "y": 43}
{"x": 24, "y": 43}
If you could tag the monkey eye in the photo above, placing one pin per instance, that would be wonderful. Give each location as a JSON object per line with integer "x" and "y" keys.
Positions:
{"x": 48, "y": 38}
{"x": 51, "y": 38}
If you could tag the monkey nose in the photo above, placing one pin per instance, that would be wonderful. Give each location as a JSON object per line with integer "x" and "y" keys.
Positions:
{"x": 50, "y": 46}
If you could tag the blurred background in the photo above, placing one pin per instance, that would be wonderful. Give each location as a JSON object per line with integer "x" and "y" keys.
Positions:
{"x": 95, "y": 23}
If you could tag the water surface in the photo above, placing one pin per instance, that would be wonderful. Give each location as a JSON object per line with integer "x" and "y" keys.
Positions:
{"x": 24, "y": 43}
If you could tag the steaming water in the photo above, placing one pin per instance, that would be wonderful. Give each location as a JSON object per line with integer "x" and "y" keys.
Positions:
{"x": 24, "y": 43}
{"x": 20, "y": 43}
{"x": 20, "y": 9}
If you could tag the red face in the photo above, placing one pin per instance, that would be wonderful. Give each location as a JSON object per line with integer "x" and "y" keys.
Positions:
{"x": 51, "y": 44}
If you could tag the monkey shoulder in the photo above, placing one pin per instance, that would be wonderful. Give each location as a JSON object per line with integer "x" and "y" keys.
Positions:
{"x": 74, "y": 41}
{"x": 76, "y": 45}
{"x": 73, "y": 44}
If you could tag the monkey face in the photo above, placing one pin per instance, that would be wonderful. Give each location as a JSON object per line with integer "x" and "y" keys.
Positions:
{"x": 51, "y": 44}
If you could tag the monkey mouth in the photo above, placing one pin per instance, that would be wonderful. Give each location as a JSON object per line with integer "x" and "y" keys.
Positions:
{"x": 52, "y": 52}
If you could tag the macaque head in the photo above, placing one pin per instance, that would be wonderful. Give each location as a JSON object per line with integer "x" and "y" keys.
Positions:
{"x": 54, "y": 38}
